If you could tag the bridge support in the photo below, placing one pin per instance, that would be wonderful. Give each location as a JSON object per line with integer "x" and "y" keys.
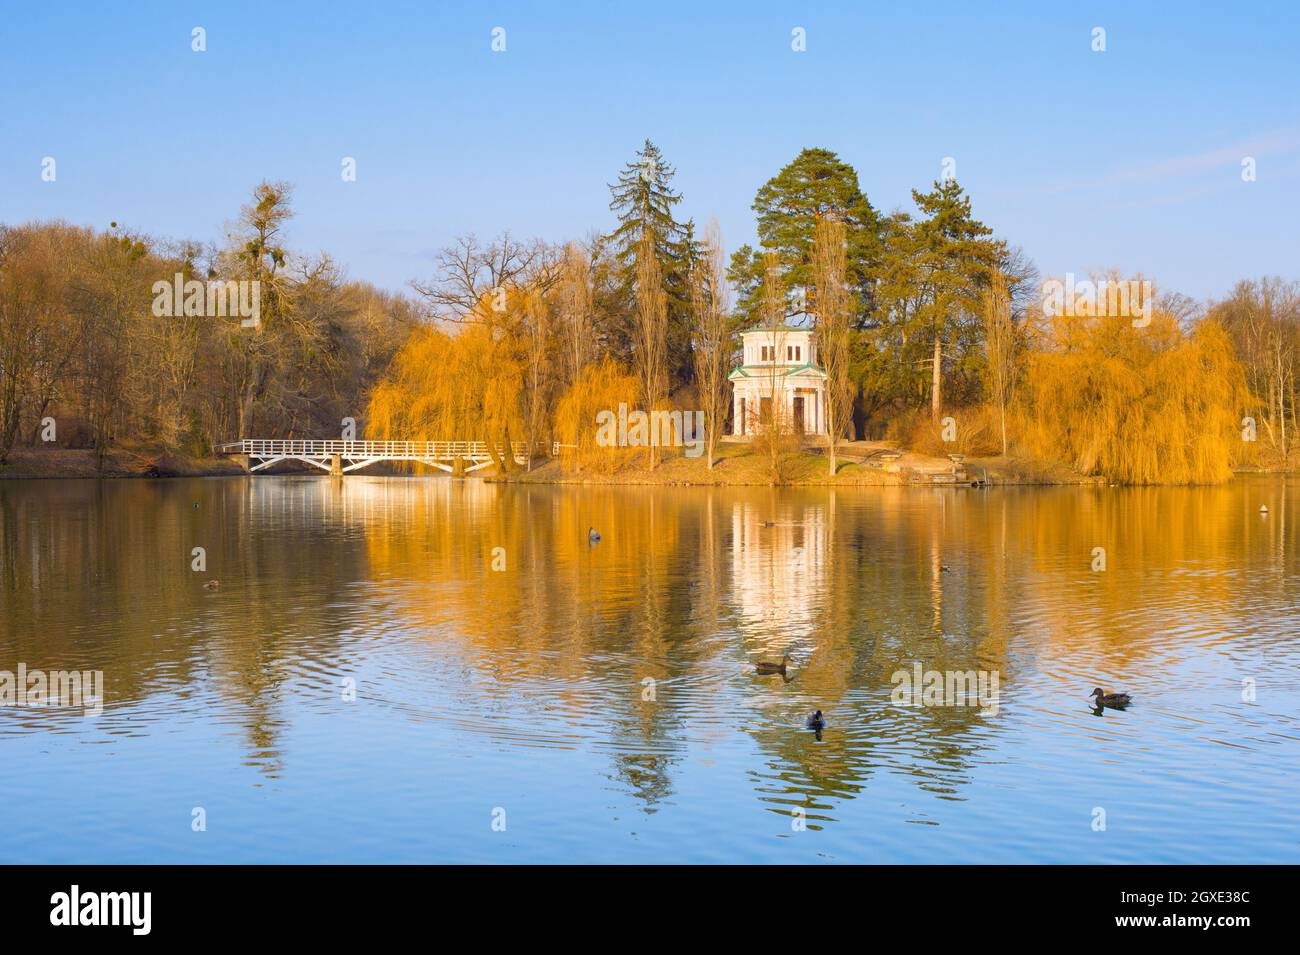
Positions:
{"x": 336, "y": 465}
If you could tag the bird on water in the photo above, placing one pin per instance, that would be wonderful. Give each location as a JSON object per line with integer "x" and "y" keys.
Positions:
{"x": 766, "y": 666}
{"x": 1116, "y": 701}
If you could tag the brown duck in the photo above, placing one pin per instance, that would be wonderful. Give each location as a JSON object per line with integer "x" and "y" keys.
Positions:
{"x": 766, "y": 666}
{"x": 1116, "y": 701}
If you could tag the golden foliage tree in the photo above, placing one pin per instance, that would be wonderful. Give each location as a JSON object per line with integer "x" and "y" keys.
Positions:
{"x": 999, "y": 348}
{"x": 1138, "y": 405}
{"x": 574, "y": 298}
{"x": 601, "y": 386}
{"x": 444, "y": 387}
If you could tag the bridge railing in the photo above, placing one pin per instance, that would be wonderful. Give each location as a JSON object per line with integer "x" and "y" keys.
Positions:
{"x": 392, "y": 450}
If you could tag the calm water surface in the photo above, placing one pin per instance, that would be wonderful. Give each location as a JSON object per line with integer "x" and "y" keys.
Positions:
{"x": 525, "y": 692}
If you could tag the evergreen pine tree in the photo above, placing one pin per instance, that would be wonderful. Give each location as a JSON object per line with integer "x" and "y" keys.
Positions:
{"x": 643, "y": 199}
{"x": 816, "y": 184}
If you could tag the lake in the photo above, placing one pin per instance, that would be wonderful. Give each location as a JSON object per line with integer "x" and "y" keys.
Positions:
{"x": 429, "y": 669}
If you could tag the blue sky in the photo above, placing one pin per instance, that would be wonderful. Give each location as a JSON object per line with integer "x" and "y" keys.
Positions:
{"x": 1128, "y": 159}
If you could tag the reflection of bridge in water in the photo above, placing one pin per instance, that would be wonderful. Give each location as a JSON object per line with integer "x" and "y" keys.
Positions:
{"x": 340, "y": 457}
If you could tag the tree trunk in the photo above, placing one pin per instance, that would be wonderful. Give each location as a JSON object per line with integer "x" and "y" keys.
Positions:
{"x": 936, "y": 388}
{"x": 498, "y": 459}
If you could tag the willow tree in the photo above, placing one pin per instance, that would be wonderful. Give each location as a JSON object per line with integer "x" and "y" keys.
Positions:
{"x": 1136, "y": 405}
{"x": 999, "y": 348}
{"x": 449, "y": 387}
{"x": 651, "y": 334}
{"x": 574, "y": 308}
{"x": 715, "y": 340}
{"x": 832, "y": 311}
{"x": 540, "y": 382}
{"x": 487, "y": 287}
{"x": 601, "y": 386}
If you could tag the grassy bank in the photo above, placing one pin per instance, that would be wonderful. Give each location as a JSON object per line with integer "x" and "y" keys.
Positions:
{"x": 123, "y": 462}
{"x": 740, "y": 464}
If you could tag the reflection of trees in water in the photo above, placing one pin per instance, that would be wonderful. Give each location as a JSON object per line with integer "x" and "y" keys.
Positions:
{"x": 645, "y": 776}
{"x": 97, "y": 575}
{"x": 598, "y": 620}
{"x": 686, "y": 587}
{"x": 882, "y": 600}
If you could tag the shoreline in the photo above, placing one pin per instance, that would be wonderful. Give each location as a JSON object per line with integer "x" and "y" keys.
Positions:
{"x": 28, "y": 464}
{"x": 734, "y": 466}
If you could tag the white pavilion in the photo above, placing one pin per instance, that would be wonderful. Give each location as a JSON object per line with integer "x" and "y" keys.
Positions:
{"x": 778, "y": 364}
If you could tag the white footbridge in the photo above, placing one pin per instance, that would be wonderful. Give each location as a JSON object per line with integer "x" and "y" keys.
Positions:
{"x": 341, "y": 457}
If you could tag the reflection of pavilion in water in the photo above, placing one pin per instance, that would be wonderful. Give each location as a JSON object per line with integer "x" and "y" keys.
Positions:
{"x": 778, "y": 568}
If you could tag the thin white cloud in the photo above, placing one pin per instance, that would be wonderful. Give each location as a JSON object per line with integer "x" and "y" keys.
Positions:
{"x": 1278, "y": 142}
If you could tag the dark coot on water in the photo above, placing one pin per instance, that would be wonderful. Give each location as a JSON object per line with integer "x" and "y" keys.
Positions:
{"x": 592, "y": 536}
{"x": 816, "y": 721}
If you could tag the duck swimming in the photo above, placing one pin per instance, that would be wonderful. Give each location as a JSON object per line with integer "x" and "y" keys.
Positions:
{"x": 816, "y": 721}
{"x": 212, "y": 585}
{"x": 1116, "y": 701}
{"x": 765, "y": 666}
{"x": 593, "y": 537}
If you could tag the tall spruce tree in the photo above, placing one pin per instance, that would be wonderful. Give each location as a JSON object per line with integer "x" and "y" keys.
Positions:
{"x": 643, "y": 199}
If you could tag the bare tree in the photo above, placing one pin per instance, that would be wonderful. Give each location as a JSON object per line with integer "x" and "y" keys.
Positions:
{"x": 999, "y": 347}
{"x": 469, "y": 272}
{"x": 539, "y": 386}
{"x": 492, "y": 285}
{"x": 651, "y": 332}
{"x": 575, "y": 307}
{"x": 260, "y": 256}
{"x": 833, "y": 309}
{"x": 715, "y": 341}
{"x": 1263, "y": 318}
{"x": 40, "y": 333}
